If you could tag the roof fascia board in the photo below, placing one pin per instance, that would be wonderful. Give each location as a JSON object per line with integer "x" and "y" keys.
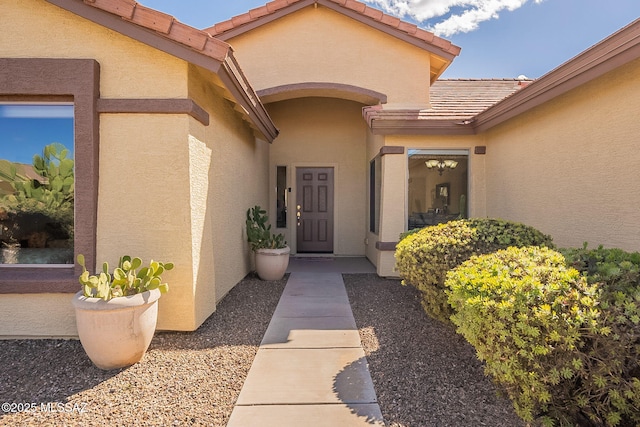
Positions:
{"x": 228, "y": 70}
{"x": 294, "y": 7}
{"x": 236, "y": 82}
{"x": 236, "y": 31}
{"x": 419, "y": 127}
{"x": 620, "y": 48}
{"x": 388, "y": 30}
{"x": 129, "y": 29}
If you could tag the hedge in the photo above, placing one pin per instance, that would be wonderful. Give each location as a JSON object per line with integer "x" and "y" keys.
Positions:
{"x": 423, "y": 258}
{"x": 565, "y": 344}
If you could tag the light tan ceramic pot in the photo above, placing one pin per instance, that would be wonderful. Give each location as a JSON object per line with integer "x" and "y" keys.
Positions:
{"x": 271, "y": 264}
{"x": 116, "y": 333}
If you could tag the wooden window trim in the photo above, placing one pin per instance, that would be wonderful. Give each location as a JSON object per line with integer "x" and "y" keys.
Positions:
{"x": 29, "y": 79}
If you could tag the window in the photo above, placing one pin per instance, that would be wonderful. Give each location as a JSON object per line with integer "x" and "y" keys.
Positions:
{"x": 282, "y": 197}
{"x": 76, "y": 83}
{"x": 438, "y": 186}
{"x": 375, "y": 185}
{"x": 36, "y": 183}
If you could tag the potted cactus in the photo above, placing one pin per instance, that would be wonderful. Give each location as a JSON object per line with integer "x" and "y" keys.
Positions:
{"x": 116, "y": 313}
{"x": 271, "y": 250}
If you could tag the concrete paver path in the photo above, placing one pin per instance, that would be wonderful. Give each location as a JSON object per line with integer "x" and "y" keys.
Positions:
{"x": 310, "y": 369}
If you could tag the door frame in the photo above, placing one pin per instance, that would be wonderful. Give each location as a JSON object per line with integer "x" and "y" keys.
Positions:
{"x": 292, "y": 220}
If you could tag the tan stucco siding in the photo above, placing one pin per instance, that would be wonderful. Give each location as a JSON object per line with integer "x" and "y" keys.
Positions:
{"x": 144, "y": 200}
{"x": 320, "y": 45}
{"x": 569, "y": 167}
{"x": 129, "y": 69}
{"x": 170, "y": 188}
{"x": 329, "y": 133}
{"x": 37, "y": 315}
{"x": 229, "y": 175}
{"x": 136, "y": 215}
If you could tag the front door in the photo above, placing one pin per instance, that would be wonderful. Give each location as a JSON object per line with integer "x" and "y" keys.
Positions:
{"x": 314, "y": 209}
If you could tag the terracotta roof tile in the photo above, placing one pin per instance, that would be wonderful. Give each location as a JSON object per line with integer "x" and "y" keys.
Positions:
{"x": 259, "y": 12}
{"x": 373, "y": 13}
{"x": 185, "y": 34}
{"x": 167, "y": 26}
{"x": 276, "y": 5}
{"x": 353, "y": 5}
{"x": 222, "y": 27}
{"x": 152, "y": 19}
{"x": 391, "y": 21}
{"x": 122, "y": 8}
{"x": 408, "y": 28}
{"x": 241, "y": 19}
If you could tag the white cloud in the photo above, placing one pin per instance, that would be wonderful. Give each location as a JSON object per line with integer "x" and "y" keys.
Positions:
{"x": 469, "y": 13}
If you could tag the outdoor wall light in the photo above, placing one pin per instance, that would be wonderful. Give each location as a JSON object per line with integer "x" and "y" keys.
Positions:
{"x": 441, "y": 165}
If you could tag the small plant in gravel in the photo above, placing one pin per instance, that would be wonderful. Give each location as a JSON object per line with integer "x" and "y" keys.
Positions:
{"x": 129, "y": 278}
{"x": 564, "y": 343}
{"x": 423, "y": 258}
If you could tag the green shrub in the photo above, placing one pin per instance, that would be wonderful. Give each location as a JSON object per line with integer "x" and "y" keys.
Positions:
{"x": 564, "y": 345}
{"x": 424, "y": 257}
{"x": 610, "y": 384}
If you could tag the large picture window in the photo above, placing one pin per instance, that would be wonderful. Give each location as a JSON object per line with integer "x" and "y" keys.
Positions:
{"x": 75, "y": 83}
{"x": 438, "y": 186}
{"x": 37, "y": 182}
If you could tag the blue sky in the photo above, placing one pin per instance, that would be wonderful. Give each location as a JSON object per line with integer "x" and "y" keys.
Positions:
{"x": 26, "y": 129}
{"x": 503, "y": 38}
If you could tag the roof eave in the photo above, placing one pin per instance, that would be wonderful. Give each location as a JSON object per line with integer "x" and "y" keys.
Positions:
{"x": 214, "y": 55}
{"x": 353, "y": 9}
{"x": 413, "y": 122}
{"x": 616, "y": 50}
{"x": 236, "y": 82}
{"x": 420, "y": 127}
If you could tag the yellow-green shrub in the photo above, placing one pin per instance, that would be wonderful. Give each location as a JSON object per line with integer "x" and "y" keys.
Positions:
{"x": 565, "y": 350}
{"x": 423, "y": 258}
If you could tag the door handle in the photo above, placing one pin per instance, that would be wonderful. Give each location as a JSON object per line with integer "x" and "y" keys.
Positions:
{"x": 298, "y": 214}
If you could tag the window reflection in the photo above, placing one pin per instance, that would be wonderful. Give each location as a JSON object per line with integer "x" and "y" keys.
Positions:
{"x": 438, "y": 183}
{"x": 36, "y": 184}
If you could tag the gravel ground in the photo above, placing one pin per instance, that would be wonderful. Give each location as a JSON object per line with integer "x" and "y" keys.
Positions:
{"x": 423, "y": 372}
{"x": 184, "y": 379}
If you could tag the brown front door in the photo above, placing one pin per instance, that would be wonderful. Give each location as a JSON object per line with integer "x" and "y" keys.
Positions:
{"x": 314, "y": 209}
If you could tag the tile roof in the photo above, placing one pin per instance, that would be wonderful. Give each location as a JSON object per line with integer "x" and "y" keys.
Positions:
{"x": 464, "y": 98}
{"x": 361, "y": 9}
{"x": 455, "y": 105}
{"x": 164, "y": 25}
{"x": 198, "y": 47}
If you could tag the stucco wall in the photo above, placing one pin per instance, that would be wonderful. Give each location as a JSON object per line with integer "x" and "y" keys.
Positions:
{"x": 144, "y": 200}
{"x": 229, "y": 170}
{"x": 129, "y": 69}
{"x": 170, "y": 188}
{"x": 324, "y": 132}
{"x": 320, "y": 45}
{"x": 569, "y": 167}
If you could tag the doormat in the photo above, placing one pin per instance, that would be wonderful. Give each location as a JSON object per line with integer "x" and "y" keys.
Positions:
{"x": 313, "y": 259}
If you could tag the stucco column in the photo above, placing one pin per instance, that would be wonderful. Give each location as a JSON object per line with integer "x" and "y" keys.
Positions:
{"x": 392, "y": 207}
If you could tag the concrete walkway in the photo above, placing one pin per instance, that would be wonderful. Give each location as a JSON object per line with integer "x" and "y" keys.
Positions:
{"x": 310, "y": 369}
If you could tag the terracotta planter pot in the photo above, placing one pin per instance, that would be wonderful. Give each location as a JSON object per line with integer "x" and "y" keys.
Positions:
{"x": 271, "y": 264}
{"x": 116, "y": 333}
